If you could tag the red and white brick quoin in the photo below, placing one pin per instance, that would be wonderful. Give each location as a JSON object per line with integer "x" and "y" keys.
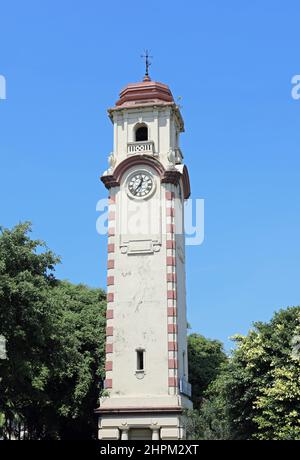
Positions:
{"x": 110, "y": 291}
{"x": 171, "y": 289}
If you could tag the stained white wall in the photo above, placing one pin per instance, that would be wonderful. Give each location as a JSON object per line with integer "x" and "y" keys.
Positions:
{"x": 140, "y": 301}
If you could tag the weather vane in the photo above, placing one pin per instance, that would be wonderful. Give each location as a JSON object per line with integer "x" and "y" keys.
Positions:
{"x": 147, "y": 58}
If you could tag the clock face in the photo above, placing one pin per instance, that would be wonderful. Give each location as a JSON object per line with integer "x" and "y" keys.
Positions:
{"x": 140, "y": 184}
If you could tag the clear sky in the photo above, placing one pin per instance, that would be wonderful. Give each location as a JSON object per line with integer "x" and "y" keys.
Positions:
{"x": 232, "y": 62}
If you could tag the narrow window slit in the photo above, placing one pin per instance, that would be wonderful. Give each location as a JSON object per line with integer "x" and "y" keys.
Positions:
{"x": 140, "y": 360}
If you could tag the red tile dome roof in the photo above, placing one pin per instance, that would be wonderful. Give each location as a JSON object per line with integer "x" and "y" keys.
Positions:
{"x": 146, "y": 91}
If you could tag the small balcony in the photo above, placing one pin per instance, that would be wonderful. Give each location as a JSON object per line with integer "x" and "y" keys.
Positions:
{"x": 140, "y": 147}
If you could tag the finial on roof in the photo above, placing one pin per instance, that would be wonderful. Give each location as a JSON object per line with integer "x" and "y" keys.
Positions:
{"x": 147, "y": 57}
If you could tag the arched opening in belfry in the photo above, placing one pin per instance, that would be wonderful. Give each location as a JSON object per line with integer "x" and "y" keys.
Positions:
{"x": 141, "y": 133}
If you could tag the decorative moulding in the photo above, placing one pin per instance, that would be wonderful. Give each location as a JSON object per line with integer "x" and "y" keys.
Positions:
{"x": 172, "y": 175}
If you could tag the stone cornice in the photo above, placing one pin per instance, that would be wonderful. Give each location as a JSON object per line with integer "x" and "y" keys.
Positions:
{"x": 140, "y": 410}
{"x": 171, "y": 176}
{"x": 146, "y": 105}
{"x": 167, "y": 176}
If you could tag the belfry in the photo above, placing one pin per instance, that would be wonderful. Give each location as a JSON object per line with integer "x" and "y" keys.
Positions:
{"x": 146, "y": 365}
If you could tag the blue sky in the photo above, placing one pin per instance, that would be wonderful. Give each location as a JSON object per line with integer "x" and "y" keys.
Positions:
{"x": 232, "y": 62}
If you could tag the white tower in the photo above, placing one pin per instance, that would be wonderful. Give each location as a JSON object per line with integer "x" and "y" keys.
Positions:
{"x": 146, "y": 348}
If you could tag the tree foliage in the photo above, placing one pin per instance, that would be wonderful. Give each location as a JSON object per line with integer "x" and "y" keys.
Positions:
{"x": 205, "y": 358}
{"x": 257, "y": 394}
{"x": 55, "y": 343}
{"x": 270, "y": 377}
{"x": 206, "y": 361}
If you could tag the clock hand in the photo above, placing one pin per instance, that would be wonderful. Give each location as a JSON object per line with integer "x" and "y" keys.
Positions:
{"x": 136, "y": 188}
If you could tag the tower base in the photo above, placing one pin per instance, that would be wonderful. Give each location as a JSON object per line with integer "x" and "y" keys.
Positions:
{"x": 144, "y": 426}
{"x": 144, "y": 423}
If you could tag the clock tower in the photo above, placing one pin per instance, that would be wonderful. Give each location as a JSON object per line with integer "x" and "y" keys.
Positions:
{"x": 146, "y": 365}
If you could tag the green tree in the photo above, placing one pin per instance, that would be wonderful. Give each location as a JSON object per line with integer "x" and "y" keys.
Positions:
{"x": 51, "y": 380}
{"x": 205, "y": 359}
{"x": 77, "y": 361}
{"x": 270, "y": 367}
{"x": 258, "y": 392}
{"x": 26, "y": 275}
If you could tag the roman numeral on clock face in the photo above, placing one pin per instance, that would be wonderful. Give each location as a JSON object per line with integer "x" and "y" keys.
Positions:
{"x": 140, "y": 184}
